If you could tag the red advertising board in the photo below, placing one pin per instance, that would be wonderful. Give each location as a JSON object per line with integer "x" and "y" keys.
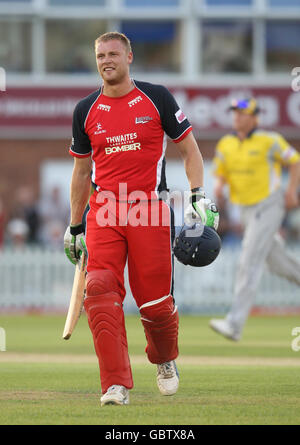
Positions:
{"x": 47, "y": 112}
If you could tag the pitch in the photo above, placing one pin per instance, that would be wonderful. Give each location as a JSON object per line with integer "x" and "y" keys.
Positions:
{"x": 45, "y": 380}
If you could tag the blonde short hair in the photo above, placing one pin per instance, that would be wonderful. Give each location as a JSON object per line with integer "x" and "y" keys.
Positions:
{"x": 114, "y": 36}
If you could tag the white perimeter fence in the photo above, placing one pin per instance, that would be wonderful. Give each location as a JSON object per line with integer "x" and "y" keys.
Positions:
{"x": 42, "y": 280}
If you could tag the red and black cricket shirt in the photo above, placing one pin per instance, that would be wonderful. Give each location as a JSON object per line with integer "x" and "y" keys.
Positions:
{"x": 126, "y": 136}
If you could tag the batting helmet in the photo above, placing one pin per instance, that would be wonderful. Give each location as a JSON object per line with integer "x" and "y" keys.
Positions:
{"x": 197, "y": 245}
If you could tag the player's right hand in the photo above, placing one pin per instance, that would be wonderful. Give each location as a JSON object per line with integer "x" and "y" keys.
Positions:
{"x": 74, "y": 242}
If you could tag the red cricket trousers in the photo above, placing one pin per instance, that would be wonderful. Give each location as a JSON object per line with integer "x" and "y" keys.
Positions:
{"x": 139, "y": 232}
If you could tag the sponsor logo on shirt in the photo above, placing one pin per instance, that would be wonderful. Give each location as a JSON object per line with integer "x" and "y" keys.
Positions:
{"x": 143, "y": 119}
{"x": 104, "y": 107}
{"x": 99, "y": 129}
{"x": 180, "y": 116}
{"x": 122, "y": 142}
{"x": 128, "y": 137}
{"x": 126, "y": 147}
{"x": 135, "y": 101}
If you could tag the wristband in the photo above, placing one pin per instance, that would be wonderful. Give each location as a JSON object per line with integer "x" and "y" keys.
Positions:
{"x": 197, "y": 193}
{"x": 75, "y": 230}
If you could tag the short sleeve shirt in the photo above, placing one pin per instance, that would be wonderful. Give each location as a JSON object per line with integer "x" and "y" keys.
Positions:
{"x": 126, "y": 136}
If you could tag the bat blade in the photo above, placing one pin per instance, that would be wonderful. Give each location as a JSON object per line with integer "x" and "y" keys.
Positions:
{"x": 77, "y": 297}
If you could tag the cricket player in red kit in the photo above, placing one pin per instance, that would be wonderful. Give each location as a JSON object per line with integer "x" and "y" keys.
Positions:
{"x": 120, "y": 134}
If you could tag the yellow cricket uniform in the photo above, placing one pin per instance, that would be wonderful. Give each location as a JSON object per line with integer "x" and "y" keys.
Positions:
{"x": 252, "y": 167}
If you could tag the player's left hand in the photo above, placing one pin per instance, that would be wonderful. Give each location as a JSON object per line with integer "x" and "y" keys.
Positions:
{"x": 201, "y": 209}
{"x": 74, "y": 242}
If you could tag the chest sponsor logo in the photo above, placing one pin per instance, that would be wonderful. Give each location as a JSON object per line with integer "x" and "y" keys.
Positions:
{"x": 143, "y": 119}
{"x": 135, "y": 101}
{"x": 99, "y": 129}
{"x": 104, "y": 107}
{"x": 123, "y": 142}
{"x": 180, "y": 116}
{"x": 126, "y": 147}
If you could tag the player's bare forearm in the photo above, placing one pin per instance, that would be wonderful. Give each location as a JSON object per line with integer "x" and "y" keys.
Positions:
{"x": 294, "y": 176}
{"x": 80, "y": 188}
{"x": 219, "y": 187}
{"x": 291, "y": 194}
{"x": 193, "y": 161}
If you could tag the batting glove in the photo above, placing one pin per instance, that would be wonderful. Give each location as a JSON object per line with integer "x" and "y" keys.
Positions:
{"x": 201, "y": 209}
{"x": 74, "y": 242}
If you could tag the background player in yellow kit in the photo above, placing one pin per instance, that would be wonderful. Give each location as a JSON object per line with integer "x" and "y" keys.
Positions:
{"x": 249, "y": 161}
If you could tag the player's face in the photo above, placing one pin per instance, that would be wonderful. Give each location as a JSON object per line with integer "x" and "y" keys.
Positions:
{"x": 243, "y": 122}
{"x": 113, "y": 60}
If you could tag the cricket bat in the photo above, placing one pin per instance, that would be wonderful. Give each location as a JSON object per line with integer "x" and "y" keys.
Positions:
{"x": 77, "y": 297}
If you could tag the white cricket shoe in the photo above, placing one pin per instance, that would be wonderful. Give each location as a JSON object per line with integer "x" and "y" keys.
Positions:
{"x": 115, "y": 395}
{"x": 223, "y": 327}
{"x": 167, "y": 378}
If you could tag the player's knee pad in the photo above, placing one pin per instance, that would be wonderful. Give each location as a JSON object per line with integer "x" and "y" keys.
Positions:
{"x": 158, "y": 311}
{"x": 160, "y": 321}
{"x": 106, "y": 320}
{"x": 103, "y": 303}
{"x": 100, "y": 282}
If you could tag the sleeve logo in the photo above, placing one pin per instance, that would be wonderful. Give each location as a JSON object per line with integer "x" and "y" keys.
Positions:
{"x": 180, "y": 116}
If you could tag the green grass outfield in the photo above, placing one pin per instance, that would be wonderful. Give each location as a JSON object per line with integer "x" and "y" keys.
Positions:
{"x": 45, "y": 380}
